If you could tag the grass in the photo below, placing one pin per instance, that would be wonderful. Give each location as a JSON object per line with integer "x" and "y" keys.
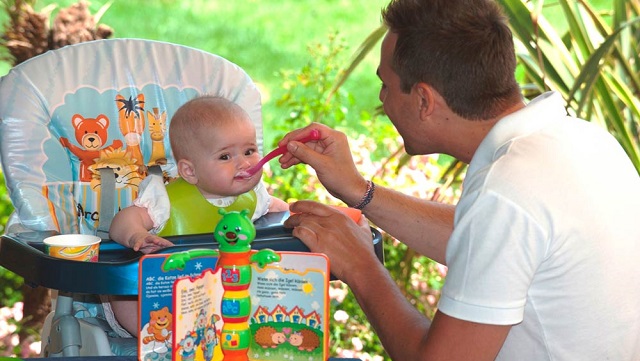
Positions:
{"x": 261, "y": 36}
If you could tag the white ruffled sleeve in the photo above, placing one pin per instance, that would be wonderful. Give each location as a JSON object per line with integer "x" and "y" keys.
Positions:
{"x": 263, "y": 201}
{"x": 153, "y": 196}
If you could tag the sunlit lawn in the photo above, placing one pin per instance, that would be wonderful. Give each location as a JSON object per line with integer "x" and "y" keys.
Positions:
{"x": 261, "y": 36}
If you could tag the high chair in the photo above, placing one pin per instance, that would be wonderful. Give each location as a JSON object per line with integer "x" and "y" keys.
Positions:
{"x": 80, "y": 127}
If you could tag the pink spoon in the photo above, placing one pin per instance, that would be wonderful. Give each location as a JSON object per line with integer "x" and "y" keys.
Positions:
{"x": 315, "y": 135}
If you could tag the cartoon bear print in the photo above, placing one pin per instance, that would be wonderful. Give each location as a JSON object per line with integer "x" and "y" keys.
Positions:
{"x": 92, "y": 135}
{"x": 160, "y": 327}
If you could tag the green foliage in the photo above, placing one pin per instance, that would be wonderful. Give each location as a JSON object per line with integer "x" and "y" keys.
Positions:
{"x": 303, "y": 103}
{"x": 316, "y": 93}
{"x": 593, "y": 61}
{"x": 10, "y": 282}
{"x": 307, "y": 98}
{"x": 10, "y": 290}
{"x": 6, "y": 208}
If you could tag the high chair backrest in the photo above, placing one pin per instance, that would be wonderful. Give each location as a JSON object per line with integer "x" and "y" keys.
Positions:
{"x": 101, "y": 104}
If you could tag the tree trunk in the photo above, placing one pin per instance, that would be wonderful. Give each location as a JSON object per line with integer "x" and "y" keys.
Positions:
{"x": 36, "y": 306}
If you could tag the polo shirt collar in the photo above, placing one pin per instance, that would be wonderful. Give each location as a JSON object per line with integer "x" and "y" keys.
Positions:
{"x": 540, "y": 112}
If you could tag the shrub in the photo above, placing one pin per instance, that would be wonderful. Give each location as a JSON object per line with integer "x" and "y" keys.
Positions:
{"x": 311, "y": 95}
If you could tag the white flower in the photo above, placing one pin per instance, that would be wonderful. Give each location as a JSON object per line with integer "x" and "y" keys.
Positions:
{"x": 341, "y": 316}
{"x": 357, "y": 343}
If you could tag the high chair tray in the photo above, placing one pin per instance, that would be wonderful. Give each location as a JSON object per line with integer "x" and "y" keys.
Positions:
{"x": 116, "y": 272}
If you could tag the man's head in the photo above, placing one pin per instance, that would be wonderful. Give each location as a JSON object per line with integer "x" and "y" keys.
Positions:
{"x": 462, "y": 48}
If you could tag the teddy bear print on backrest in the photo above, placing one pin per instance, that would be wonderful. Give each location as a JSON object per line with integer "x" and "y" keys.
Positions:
{"x": 113, "y": 131}
{"x": 104, "y": 104}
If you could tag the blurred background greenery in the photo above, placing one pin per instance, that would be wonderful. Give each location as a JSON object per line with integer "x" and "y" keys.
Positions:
{"x": 316, "y": 60}
{"x": 261, "y": 36}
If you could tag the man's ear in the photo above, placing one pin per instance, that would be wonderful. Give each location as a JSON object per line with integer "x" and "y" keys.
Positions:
{"x": 187, "y": 171}
{"x": 425, "y": 98}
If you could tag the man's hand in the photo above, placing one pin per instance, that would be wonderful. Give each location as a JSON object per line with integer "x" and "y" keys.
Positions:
{"x": 330, "y": 156}
{"x": 349, "y": 245}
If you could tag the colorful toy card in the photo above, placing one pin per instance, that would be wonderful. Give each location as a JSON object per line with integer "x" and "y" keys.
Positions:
{"x": 156, "y": 314}
{"x": 280, "y": 314}
{"x": 290, "y": 308}
{"x": 196, "y": 305}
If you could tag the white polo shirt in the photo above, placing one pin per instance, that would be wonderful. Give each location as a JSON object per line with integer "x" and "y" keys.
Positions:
{"x": 547, "y": 239}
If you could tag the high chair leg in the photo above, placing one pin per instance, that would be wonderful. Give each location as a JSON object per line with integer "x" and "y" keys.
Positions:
{"x": 64, "y": 337}
{"x": 64, "y": 334}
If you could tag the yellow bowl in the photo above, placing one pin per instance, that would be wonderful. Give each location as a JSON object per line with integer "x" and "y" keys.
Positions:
{"x": 76, "y": 247}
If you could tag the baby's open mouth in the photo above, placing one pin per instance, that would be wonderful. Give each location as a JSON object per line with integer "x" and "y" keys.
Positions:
{"x": 244, "y": 175}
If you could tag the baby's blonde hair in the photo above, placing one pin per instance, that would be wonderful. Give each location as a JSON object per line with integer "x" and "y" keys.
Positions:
{"x": 205, "y": 111}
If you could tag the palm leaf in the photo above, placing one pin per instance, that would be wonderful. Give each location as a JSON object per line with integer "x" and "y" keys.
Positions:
{"x": 357, "y": 58}
{"x": 591, "y": 68}
{"x": 595, "y": 68}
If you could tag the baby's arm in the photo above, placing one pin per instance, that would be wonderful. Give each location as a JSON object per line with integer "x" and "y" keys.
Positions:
{"x": 130, "y": 227}
{"x": 264, "y": 199}
{"x": 278, "y": 205}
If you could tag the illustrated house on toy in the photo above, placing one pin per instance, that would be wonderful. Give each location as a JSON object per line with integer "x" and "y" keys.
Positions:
{"x": 261, "y": 315}
{"x": 279, "y": 314}
{"x": 313, "y": 319}
{"x": 297, "y": 315}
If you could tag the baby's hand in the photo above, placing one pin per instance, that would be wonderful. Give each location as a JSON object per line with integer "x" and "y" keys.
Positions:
{"x": 148, "y": 243}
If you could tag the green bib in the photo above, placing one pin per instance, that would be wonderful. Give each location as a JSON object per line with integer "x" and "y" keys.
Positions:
{"x": 191, "y": 213}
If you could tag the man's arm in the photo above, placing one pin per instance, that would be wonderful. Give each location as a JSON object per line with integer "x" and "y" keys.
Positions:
{"x": 405, "y": 333}
{"x": 424, "y": 226}
{"x": 408, "y": 335}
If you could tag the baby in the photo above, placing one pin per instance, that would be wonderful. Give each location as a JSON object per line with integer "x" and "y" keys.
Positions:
{"x": 214, "y": 143}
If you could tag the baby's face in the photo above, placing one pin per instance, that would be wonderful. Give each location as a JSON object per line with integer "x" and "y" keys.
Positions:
{"x": 224, "y": 152}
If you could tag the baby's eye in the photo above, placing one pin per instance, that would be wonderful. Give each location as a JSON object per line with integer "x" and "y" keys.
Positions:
{"x": 225, "y": 157}
{"x": 250, "y": 151}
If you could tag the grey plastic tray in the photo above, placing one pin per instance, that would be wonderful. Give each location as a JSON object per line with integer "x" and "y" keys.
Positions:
{"x": 116, "y": 272}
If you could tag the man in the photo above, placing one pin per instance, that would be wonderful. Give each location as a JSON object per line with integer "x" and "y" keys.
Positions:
{"x": 541, "y": 248}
